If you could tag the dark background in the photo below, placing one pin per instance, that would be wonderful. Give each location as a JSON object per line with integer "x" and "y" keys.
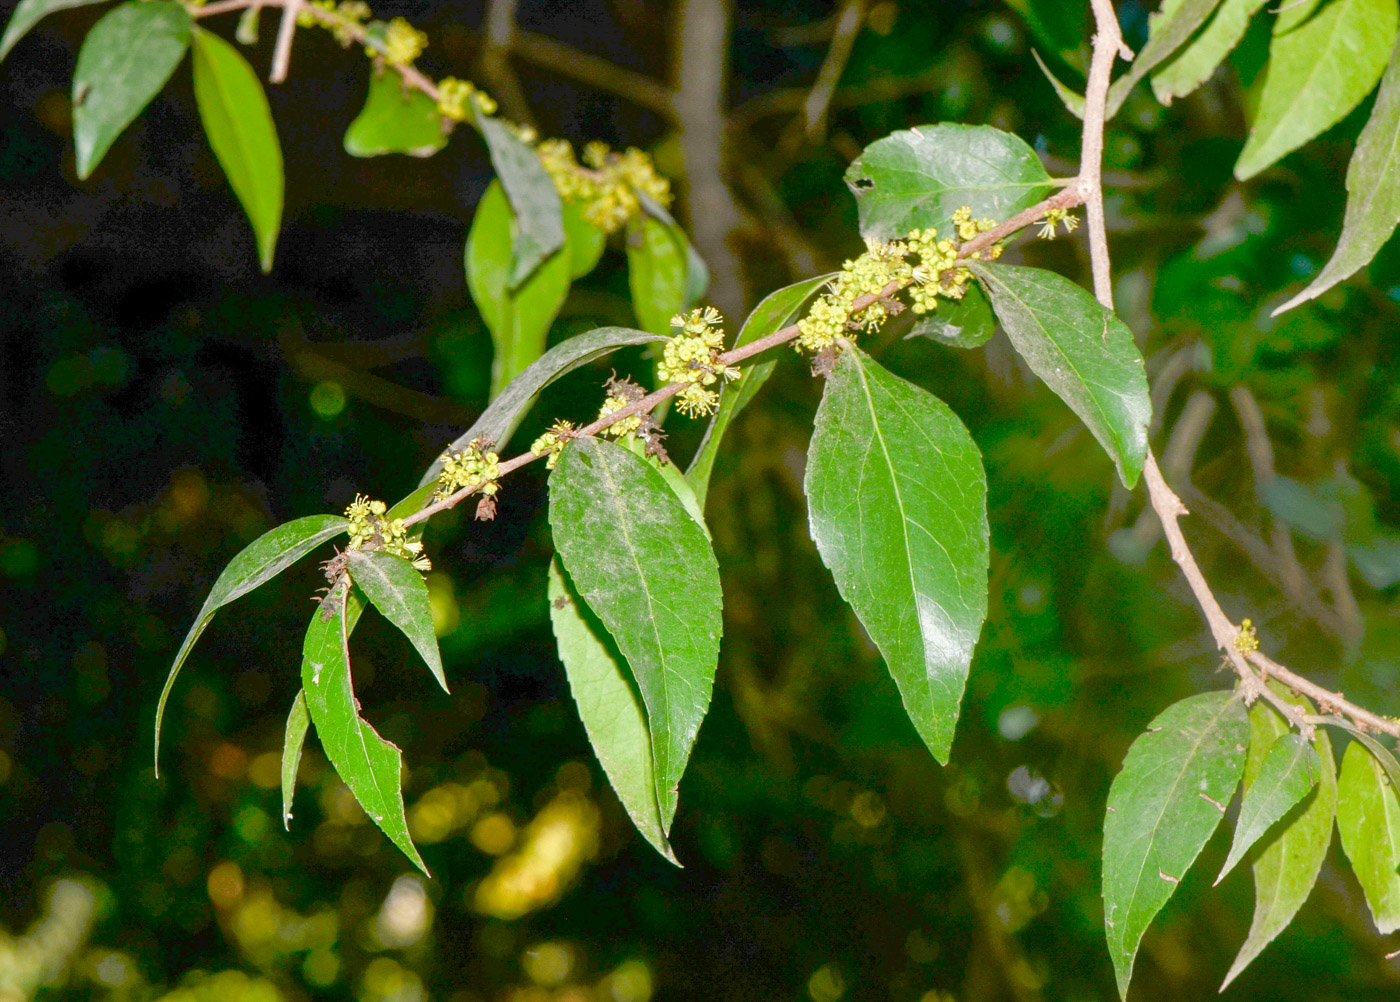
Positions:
{"x": 163, "y": 403}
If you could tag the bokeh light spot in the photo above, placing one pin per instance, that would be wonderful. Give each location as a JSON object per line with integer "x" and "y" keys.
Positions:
{"x": 327, "y": 399}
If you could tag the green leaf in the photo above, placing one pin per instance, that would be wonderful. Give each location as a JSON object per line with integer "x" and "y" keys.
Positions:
{"x": 1321, "y": 64}
{"x": 518, "y": 319}
{"x": 898, "y": 506}
{"x": 395, "y": 588}
{"x": 1194, "y": 64}
{"x": 1287, "y": 868}
{"x": 1167, "y": 31}
{"x": 697, "y": 273}
{"x": 395, "y": 119}
{"x": 1383, "y": 755}
{"x": 499, "y": 420}
{"x": 920, "y": 177}
{"x": 656, "y": 272}
{"x": 645, "y": 568}
{"x": 125, "y": 61}
{"x": 534, "y": 201}
{"x": 239, "y": 125}
{"x": 1287, "y": 774}
{"x": 963, "y": 323}
{"x": 1373, "y": 191}
{"x": 775, "y": 312}
{"x": 1082, "y": 351}
{"x": 1162, "y": 808}
{"x": 258, "y": 562}
{"x": 370, "y": 766}
{"x": 298, "y": 720}
{"x": 610, "y": 707}
{"x": 1072, "y": 100}
{"x": 28, "y": 13}
{"x": 1368, "y": 818}
{"x": 585, "y": 241}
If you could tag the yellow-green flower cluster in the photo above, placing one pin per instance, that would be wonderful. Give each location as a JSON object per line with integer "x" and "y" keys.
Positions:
{"x": 475, "y": 466}
{"x": 606, "y": 183}
{"x": 968, "y": 227}
{"x": 831, "y": 316}
{"x": 403, "y": 43}
{"x": 349, "y": 14}
{"x": 935, "y": 258}
{"x": 368, "y": 525}
{"x": 552, "y": 442}
{"x": 692, "y": 355}
{"x": 1048, "y": 221}
{"x": 456, "y": 98}
{"x": 628, "y": 425}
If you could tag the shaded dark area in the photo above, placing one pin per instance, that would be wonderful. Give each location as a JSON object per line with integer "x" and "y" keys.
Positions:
{"x": 162, "y": 403}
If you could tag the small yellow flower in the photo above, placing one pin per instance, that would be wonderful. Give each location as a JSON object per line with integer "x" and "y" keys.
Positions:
{"x": 403, "y": 43}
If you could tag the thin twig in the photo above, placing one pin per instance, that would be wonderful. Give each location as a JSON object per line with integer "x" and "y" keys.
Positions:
{"x": 552, "y": 54}
{"x": 495, "y": 59}
{"x": 282, "y": 51}
{"x": 1108, "y": 43}
{"x": 843, "y": 40}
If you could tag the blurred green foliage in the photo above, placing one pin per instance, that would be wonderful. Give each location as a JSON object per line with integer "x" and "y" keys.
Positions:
{"x": 161, "y": 404}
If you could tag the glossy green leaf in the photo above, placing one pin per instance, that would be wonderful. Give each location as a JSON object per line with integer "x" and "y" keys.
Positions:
{"x": 1167, "y": 31}
{"x": 499, "y": 420}
{"x": 1373, "y": 191}
{"x": 1082, "y": 351}
{"x": 1291, "y": 858}
{"x": 1071, "y": 99}
{"x": 1193, "y": 65}
{"x": 395, "y": 119}
{"x": 697, "y": 273}
{"x": 298, "y": 720}
{"x": 534, "y": 201}
{"x": 396, "y": 589}
{"x": 1162, "y": 808}
{"x": 1368, "y": 818}
{"x": 1288, "y": 773}
{"x": 1322, "y": 62}
{"x": 1383, "y": 755}
{"x": 776, "y": 311}
{"x": 656, "y": 273}
{"x": 125, "y": 60}
{"x": 370, "y": 766}
{"x": 28, "y": 13}
{"x": 585, "y": 241}
{"x": 963, "y": 323}
{"x": 645, "y": 568}
{"x": 897, "y": 501}
{"x": 919, "y": 177}
{"x": 239, "y": 125}
{"x": 610, "y": 706}
{"x": 258, "y": 562}
{"x": 519, "y": 320}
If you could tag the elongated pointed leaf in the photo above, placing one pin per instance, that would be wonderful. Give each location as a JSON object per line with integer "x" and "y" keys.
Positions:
{"x": 499, "y": 420}
{"x": 298, "y": 720}
{"x": 610, "y": 705}
{"x": 898, "y": 506}
{"x": 919, "y": 177}
{"x": 1168, "y": 30}
{"x": 1322, "y": 62}
{"x": 518, "y": 318}
{"x": 1291, "y": 859}
{"x": 1373, "y": 191}
{"x": 1193, "y": 65}
{"x": 775, "y": 312}
{"x": 125, "y": 61}
{"x": 534, "y": 201}
{"x": 1383, "y": 755}
{"x": 258, "y": 562}
{"x": 395, "y": 119}
{"x": 395, "y": 588}
{"x": 656, "y": 273}
{"x": 697, "y": 273}
{"x": 1162, "y": 808}
{"x": 585, "y": 241}
{"x": 28, "y": 13}
{"x": 241, "y": 133}
{"x": 646, "y": 570}
{"x": 370, "y": 766}
{"x": 1288, "y": 773}
{"x": 1082, "y": 351}
{"x": 1368, "y": 818}
{"x": 1070, "y": 98}
{"x": 963, "y": 323}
